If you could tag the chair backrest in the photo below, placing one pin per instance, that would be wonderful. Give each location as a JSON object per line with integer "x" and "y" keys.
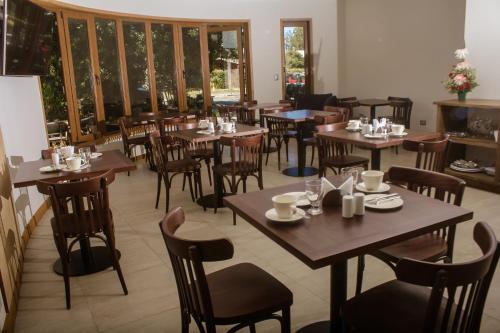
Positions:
{"x": 160, "y": 145}
{"x": 168, "y": 124}
{"x": 124, "y": 124}
{"x": 466, "y": 285}
{"x": 328, "y": 147}
{"x": 431, "y": 155}
{"x": 349, "y": 103}
{"x": 187, "y": 258}
{"x": 339, "y": 110}
{"x": 401, "y": 110}
{"x": 245, "y": 152}
{"x": 86, "y": 199}
{"x": 277, "y": 126}
{"x": 47, "y": 153}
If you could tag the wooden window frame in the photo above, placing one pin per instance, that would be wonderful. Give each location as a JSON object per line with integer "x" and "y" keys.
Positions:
{"x": 305, "y": 23}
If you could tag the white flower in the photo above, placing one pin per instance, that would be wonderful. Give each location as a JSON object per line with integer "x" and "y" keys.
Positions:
{"x": 461, "y": 54}
{"x": 463, "y": 65}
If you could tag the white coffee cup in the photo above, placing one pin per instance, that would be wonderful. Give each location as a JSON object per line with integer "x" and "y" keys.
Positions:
{"x": 227, "y": 127}
{"x": 203, "y": 123}
{"x": 55, "y": 160}
{"x": 284, "y": 205}
{"x": 67, "y": 151}
{"x": 354, "y": 124}
{"x": 372, "y": 179}
{"x": 366, "y": 129}
{"x": 211, "y": 127}
{"x": 397, "y": 129}
{"x": 74, "y": 162}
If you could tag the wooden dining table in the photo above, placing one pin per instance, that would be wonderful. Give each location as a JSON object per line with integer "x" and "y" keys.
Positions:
{"x": 88, "y": 259}
{"x": 300, "y": 118}
{"x": 194, "y": 136}
{"x": 376, "y": 145}
{"x": 330, "y": 240}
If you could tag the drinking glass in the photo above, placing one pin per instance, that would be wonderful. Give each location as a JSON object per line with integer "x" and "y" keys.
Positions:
{"x": 364, "y": 120}
{"x": 314, "y": 193}
{"x": 388, "y": 125}
{"x": 85, "y": 154}
{"x": 355, "y": 172}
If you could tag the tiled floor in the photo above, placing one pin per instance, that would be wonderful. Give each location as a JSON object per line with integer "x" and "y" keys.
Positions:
{"x": 98, "y": 304}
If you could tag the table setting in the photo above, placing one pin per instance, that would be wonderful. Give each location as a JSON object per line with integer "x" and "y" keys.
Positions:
{"x": 65, "y": 159}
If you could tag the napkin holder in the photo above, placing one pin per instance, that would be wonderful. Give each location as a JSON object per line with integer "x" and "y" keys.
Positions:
{"x": 333, "y": 198}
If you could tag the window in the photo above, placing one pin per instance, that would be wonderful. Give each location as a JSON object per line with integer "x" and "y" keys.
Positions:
{"x": 296, "y": 58}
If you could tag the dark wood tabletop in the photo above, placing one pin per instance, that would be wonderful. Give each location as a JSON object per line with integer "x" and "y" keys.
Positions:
{"x": 358, "y": 139}
{"x": 298, "y": 116}
{"x": 327, "y": 238}
{"x": 374, "y": 102}
{"x": 192, "y": 135}
{"x": 28, "y": 172}
{"x": 260, "y": 106}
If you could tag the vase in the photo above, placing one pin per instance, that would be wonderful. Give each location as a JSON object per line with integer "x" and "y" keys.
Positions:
{"x": 462, "y": 95}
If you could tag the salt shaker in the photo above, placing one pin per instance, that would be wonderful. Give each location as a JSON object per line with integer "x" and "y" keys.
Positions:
{"x": 55, "y": 160}
{"x": 359, "y": 204}
{"x": 347, "y": 206}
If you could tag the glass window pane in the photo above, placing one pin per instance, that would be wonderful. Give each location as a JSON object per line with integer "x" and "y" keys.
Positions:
{"x": 83, "y": 75}
{"x": 192, "y": 67}
{"x": 165, "y": 70}
{"x": 54, "y": 96}
{"x": 224, "y": 64}
{"x": 295, "y": 74}
{"x": 134, "y": 34}
{"x": 109, "y": 67}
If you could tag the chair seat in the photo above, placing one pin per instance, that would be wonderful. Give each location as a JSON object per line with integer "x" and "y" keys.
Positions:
{"x": 241, "y": 168}
{"x": 184, "y": 165}
{"x": 394, "y": 306}
{"x": 345, "y": 161}
{"x": 428, "y": 247}
{"x": 244, "y": 290}
{"x": 74, "y": 225}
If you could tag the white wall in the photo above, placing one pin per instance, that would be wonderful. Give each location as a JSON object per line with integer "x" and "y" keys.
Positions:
{"x": 23, "y": 126}
{"x": 399, "y": 48}
{"x": 482, "y": 38}
{"x": 265, "y": 32}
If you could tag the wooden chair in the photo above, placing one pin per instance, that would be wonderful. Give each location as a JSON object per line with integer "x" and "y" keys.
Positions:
{"x": 321, "y": 120}
{"x": 240, "y": 295}
{"x": 428, "y": 297}
{"x": 130, "y": 142}
{"x": 246, "y": 161}
{"x": 341, "y": 111}
{"x": 199, "y": 151}
{"x": 279, "y": 132}
{"x": 335, "y": 155}
{"x": 434, "y": 246}
{"x": 81, "y": 210}
{"x": 349, "y": 103}
{"x": 401, "y": 110}
{"x": 431, "y": 155}
{"x": 168, "y": 169}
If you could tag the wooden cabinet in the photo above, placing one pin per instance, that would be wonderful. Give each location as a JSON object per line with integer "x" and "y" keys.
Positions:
{"x": 477, "y": 119}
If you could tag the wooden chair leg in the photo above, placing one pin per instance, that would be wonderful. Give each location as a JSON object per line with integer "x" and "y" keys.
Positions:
{"x": 209, "y": 169}
{"x": 190, "y": 181}
{"x": 234, "y": 218}
{"x": 252, "y": 328}
{"x": 268, "y": 148}
{"x": 286, "y": 148}
{"x": 116, "y": 262}
{"x": 184, "y": 182}
{"x": 67, "y": 287}
{"x": 285, "y": 321}
{"x": 312, "y": 154}
{"x": 359, "y": 276}
{"x": 278, "y": 146}
{"x": 200, "y": 188}
{"x": 167, "y": 194}
{"x": 184, "y": 322}
{"x": 158, "y": 190}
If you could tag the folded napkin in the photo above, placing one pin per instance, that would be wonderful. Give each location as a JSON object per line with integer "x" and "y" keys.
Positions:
{"x": 345, "y": 188}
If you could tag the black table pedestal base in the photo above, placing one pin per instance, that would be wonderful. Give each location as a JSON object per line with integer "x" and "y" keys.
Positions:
{"x": 99, "y": 261}
{"x": 319, "y": 327}
{"x": 294, "y": 172}
{"x": 209, "y": 201}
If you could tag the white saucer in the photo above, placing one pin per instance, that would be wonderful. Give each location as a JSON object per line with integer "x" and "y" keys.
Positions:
{"x": 381, "y": 189}
{"x": 398, "y": 135}
{"x": 301, "y": 198}
{"x": 468, "y": 170}
{"x": 350, "y": 129}
{"x": 383, "y": 205}
{"x": 49, "y": 168}
{"x": 375, "y": 136}
{"x": 273, "y": 216}
{"x": 95, "y": 155}
{"x": 85, "y": 166}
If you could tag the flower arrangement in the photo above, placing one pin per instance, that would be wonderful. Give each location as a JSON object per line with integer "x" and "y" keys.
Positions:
{"x": 462, "y": 77}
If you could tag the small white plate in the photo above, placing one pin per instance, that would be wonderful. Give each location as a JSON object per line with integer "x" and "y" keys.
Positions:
{"x": 388, "y": 204}
{"x": 349, "y": 129}
{"x": 206, "y": 132}
{"x": 49, "y": 168}
{"x": 381, "y": 189}
{"x": 85, "y": 166}
{"x": 297, "y": 216}
{"x": 95, "y": 155}
{"x": 398, "y": 135}
{"x": 301, "y": 198}
{"x": 375, "y": 136}
{"x": 468, "y": 170}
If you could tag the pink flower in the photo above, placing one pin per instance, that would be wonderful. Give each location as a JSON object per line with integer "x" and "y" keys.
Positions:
{"x": 463, "y": 65}
{"x": 459, "y": 79}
